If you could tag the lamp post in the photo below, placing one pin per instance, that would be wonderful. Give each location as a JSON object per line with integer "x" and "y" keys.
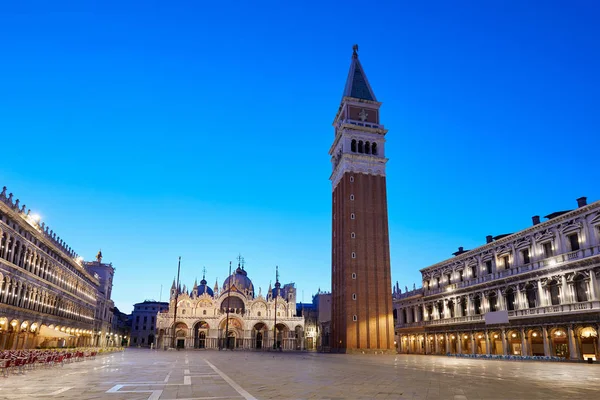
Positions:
{"x": 176, "y": 299}
{"x": 227, "y": 321}
{"x": 275, "y": 312}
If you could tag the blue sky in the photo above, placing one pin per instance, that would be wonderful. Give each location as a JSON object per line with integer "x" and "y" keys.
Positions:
{"x": 201, "y": 130}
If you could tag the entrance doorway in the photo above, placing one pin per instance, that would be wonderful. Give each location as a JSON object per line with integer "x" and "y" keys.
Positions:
{"x": 259, "y": 339}
{"x": 180, "y": 343}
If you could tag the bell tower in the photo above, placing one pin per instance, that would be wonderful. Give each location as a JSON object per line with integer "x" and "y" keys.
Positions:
{"x": 361, "y": 317}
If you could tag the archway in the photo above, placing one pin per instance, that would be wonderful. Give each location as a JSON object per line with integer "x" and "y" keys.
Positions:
{"x": 496, "y": 344}
{"x": 180, "y": 335}
{"x": 514, "y": 343}
{"x": 200, "y": 332}
{"x": 480, "y": 344}
{"x": 465, "y": 344}
{"x": 560, "y": 343}
{"x": 281, "y": 333}
{"x": 589, "y": 343}
{"x": 537, "y": 343}
{"x": 299, "y": 336}
{"x": 260, "y": 331}
{"x": 231, "y": 333}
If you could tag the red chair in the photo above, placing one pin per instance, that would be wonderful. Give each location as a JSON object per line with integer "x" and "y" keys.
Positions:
{"x": 5, "y": 365}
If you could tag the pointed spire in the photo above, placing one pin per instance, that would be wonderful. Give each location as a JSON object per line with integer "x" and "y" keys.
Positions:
{"x": 173, "y": 286}
{"x": 357, "y": 84}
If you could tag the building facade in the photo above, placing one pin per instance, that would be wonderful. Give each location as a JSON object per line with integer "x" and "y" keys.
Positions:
{"x": 47, "y": 296}
{"x": 144, "y": 322}
{"x": 233, "y": 316}
{"x": 317, "y": 322}
{"x": 361, "y": 275}
{"x": 531, "y": 293}
{"x": 105, "y": 307}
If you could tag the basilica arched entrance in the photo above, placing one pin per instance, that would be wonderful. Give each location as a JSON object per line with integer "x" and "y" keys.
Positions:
{"x": 260, "y": 335}
{"x": 281, "y": 334}
{"x": 181, "y": 330}
{"x": 200, "y": 332}
{"x": 231, "y": 333}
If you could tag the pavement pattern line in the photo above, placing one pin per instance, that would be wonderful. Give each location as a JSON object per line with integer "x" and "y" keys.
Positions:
{"x": 234, "y": 385}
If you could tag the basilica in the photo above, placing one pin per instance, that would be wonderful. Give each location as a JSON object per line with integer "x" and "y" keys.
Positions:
{"x": 233, "y": 316}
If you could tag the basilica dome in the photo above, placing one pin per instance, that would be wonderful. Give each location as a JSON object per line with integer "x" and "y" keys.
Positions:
{"x": 203, "y": 288}
{"x": 239, "y": 279}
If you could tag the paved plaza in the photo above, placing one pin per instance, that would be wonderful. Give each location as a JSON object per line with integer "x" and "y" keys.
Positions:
{"x": 152, "y": 375}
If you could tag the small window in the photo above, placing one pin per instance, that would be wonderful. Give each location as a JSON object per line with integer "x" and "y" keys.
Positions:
{"x": 547, "y": 246}
{"x": 183, "y": 311}
{"x": 353, "y": 296}
{"x": 279, "y": 314}
{"x": 353, "y": 255}
{"x": 259, "y": 314}
{"x": 354, "y": 318}
{"x": 354, "y": 275}
{"x": 460, "y": 275}
{"x": 351, "y": 179}
{"x": 506, "y": 262}
{"x": 352, "y": 216}
{"x": 488, "y": 266}
{"x": 351, "y": 197}
{"x": 353, "y": 235}
{"x": 474, "y": 272}
{"x": 574, "y": 241}
{"x": 525, "y": 255}
{"x": 203, "y": 312}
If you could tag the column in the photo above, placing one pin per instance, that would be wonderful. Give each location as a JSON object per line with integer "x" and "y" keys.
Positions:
{"x": 598, "y": 342}
{"x": 564, "y": 290}
{"x": 416, "y": 313}
{"x": 573, "y": 351}
{"x": 547, "y": 339}
{"x": 435, "y": 344}
{"x": 448, "y": 344}
{"x": 488, "y": 342}
{"x": 459, "y": 343}
{"x": 524, "y": 350}
{"x": 504, "y": 343}
{"x": 541, "y": 294}
{"x": 473, "y": 347}
{"x": 593, "y": 292}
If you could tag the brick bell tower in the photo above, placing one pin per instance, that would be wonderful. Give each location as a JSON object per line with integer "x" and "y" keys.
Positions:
{"x": 360, "y": 270}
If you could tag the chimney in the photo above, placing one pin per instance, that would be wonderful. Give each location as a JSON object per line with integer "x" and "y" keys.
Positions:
{"x": 460, "y": 249}
{"x": 582, "y": 202}
{"x": 488, "y": 239}
{"x": 535, "y": 219}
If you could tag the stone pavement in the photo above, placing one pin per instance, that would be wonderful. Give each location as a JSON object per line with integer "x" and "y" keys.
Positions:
{"x": 212, "y": 375}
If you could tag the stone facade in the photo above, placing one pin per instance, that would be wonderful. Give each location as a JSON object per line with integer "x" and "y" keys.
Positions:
{"x": 201, "y": 320}
{"x": 531, "y": 293}
{"x": 361, "y": 275}
{"x": 144, "y": 322}
{"x": 47, "y": 296}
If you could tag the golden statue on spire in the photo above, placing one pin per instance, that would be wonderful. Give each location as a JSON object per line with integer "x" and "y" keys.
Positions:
{"x": 99, "y": 256}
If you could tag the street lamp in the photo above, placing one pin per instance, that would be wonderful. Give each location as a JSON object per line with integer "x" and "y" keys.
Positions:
{"x": 176, "y": 299}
